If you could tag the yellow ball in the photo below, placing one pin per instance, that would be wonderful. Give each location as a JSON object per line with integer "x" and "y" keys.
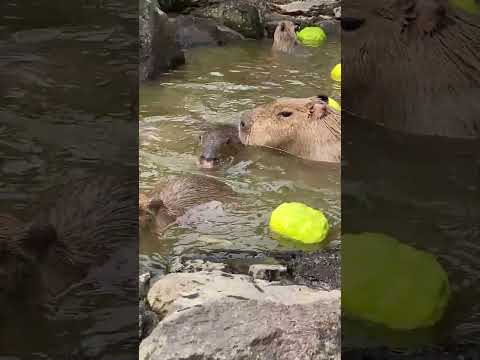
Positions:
{"x": 390, "y": 283}
{"x": 312, "y": 36}
{"x": 299, "y": 222}
{"x": 334, "y": 105}
{"x": 469, "y": 6}
{"x": 336, "y": 73}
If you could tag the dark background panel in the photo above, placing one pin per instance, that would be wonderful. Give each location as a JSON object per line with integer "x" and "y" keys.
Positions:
{"x": 411, "y": 161}
{"x": 69, "y": 179}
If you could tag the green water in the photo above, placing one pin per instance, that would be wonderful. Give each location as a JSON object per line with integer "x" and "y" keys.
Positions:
{"x": 214, "y": 87}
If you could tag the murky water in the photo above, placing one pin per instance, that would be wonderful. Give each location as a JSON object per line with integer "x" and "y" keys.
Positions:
{"x": 215, "y": 86}
{"x": 55, "y": 60}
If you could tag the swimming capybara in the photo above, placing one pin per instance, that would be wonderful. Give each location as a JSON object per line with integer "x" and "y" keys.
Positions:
{"x": 307, "y": 128}
{"x": 415, "y": 64}
{"x": 74, "y": 229}
{"x": 173, "y": 196}
{"x": 218, "y": 146}
{"x": 285, "y": 38}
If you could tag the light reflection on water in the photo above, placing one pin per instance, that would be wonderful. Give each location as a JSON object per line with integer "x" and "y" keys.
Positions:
{"x": 215, "y": 86}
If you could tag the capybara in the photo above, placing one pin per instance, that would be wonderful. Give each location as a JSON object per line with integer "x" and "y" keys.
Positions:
{"x": 307, "y": 128}
{"x": 285, "y": 38}
{"x": 74, "y": 229}
{"x": 412, "y": 66}
{"x": 172, "y": 196}
{"x": 218, "y": 146}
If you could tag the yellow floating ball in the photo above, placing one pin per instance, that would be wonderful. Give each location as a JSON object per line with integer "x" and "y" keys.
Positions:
{"x": 312, "y": 36}
{"x": 333, "y": 104}
{"x": 469, "y": 6}
{"x": 299, "y": 222}
{"x": 390, "y": 283}
{"x": 336, "y": 73}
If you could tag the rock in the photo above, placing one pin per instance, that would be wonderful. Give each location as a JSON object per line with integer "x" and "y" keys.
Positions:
{"x": 267, "y": 272}
{"x": 232, "y": 329}
{"x": 184, "y": 6}
{"x": 196, "y": 265}
{"x": 158, "y": 49}
{"x": 337, "y": 12}
{"x": 180, "y": 291}
{"x": 319, "y": 270}
{"x": 238, "y": 15}
{"x": 143, "y": 285}
{"x": 309, "y": 8}
{"x": 193, "y": 32}
{"x": 147, "y": 320}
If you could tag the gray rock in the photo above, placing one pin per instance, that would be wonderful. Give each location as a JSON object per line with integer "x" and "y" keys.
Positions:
{"x": 309, "y": 8}
{"x": 337, "y": 12}
{"x": 143, "y": 285}
{"x": 147, "y": 320}
{"x": 239, "y": 15}
{"x": 267, "y": 272}
{"x": 196, "y": 265}
{"x": 158, "y": 49}
{"x": 193, "y": 32}
{"x": 233, "y": 329}
{"x": 180, "y": 291}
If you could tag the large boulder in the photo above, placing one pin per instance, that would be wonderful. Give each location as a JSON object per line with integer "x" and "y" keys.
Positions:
{"x": 177, "y": 292}
{"x": 309, "y": 8}
{"x": 193, "y": 32}
{"x": 239, "y": 15}
{"x": 234, "y": 329}
{"x": 158, "y": 49}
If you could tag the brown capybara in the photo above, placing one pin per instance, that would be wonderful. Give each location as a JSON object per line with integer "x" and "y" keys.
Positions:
{"x": 218, "y": 146}
{"x": 307, "y": 128}
{"x": 285, "y": 38}
{"x": 415, "y": 64}
{"x": 174, "y": 195}
{"x": 76, "y": 227}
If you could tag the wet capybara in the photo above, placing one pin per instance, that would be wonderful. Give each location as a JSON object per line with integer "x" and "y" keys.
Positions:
{"x": 76, "y": 229}
{"x": 173, "y": 196}
{"x": 415, "y": 64}
{"x": 285, "y": 38}
{"x": 218, "y": 146}
{"x": 307, "y": 128}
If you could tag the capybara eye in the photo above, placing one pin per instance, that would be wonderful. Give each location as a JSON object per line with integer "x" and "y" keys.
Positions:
{"x": 200, "y": 137}
{"x": 351, "y": 24}
{"x": 285, "y": 113}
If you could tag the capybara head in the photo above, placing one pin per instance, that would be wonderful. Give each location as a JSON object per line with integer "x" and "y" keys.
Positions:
{"x": 23, "y": 251}
{"x": 403, "y": 65}
{"x": 285, "y": 38}
{"x": 307, "y": 128}
{"x": 218, "y": 145}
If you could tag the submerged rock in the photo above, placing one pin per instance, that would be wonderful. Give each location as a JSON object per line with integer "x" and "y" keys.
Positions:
{"x": 233, "y": 329}
{"x": 193, "y": 31}
{"x": 158, "y": 49}
{"x": 239, "y": 15}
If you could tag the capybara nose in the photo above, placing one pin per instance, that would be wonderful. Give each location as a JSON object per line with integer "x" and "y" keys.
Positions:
{"x": 351, "y": 23}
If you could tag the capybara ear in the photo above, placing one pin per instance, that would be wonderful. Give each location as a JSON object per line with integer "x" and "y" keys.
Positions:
{"x": 155, "y": 205}
{"x": 282, "y": 26}
{"x": 316, "y": 109}
{"x": 324, "y": 98}
{"x": 38, "y": 238}
{"x": 427, "y": 15}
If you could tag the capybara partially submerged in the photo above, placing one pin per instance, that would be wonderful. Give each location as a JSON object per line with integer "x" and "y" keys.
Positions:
{"x": 173, "y": 196}
{"x": 307, "y": 128}
{"x": 218, "y": 146}
{"x": 413, "y": 65}
{"x": 74, "y": 229}
{"x": 285, "y": 38}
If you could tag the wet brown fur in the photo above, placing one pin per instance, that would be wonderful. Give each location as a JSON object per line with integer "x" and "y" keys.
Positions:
{"x": 285, "y": 38}
{"x": 307, "y": 128}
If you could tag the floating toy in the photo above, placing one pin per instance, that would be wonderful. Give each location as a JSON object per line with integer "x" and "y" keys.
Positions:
{"x": 333, "y": 104}
{"x": 312, "y": 36}
{"x": 469, "y": 6}
{"x": 299, "y": 222}
{"x": 390, "y": 283}
{"x": 336, "y": 73}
